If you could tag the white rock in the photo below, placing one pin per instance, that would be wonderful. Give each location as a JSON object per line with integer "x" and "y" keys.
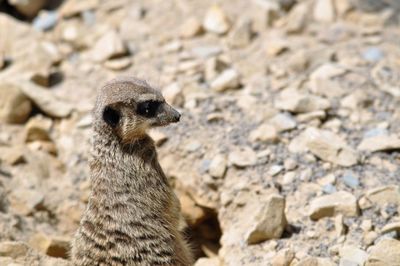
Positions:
{"x": 228, "y": 79}
{"x": 275, "y": 47}
{"x": 390, "y": 227}
{"x": 324, "y": 11}
{"x": 173, "y": 94}
{"x": 208, "y": 262}
{"x": 341, "y": 202}
{"x": 216, "y": 21}
{"x": 321, "y": 80}
{"x": 264, "y": 133}
{"x": 118, "y": 63}
{"x": 385, "y": 253}
{"x": 384, "y": 195}
{"x": 218, "y": 166}
{"x": 269, "y": 222}
{"x": 283, "y": 122}
{"x": 380, "y": 143}
{"x": 191, "y": 28}
{"x": 108, "y": 46}
{"x": 240, "y": 36}
{"x": 46, "y": 100}
{"x": 314, "y": 261}
{"x": 353, "y": 254}
{"x": 283, "y": 258}
{"x": 330, "y": 147}
{"x": 297, "y": 18}
{"x": 243, "y": 157}
{"x": 294, "y": 101}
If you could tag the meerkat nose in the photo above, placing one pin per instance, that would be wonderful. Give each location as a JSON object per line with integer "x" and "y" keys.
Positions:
{"x": 177, "y": 117}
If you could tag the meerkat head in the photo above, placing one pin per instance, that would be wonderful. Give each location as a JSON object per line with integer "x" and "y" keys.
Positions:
{"x": 128, "y": 107}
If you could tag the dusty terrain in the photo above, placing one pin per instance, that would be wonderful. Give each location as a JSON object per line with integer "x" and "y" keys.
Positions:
{"x": 287, "y": 150}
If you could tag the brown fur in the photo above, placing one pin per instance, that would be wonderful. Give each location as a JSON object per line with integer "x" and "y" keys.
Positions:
{"x": 133, "y": 214}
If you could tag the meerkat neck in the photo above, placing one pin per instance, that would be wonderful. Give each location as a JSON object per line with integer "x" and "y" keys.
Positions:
{"x": 128, "y": 169}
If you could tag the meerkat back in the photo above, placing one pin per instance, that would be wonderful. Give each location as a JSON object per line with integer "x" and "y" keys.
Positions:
{"x": 132, "y": 217}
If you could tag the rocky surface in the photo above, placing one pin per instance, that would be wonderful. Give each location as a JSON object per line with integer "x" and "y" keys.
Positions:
{"x": 288, "y": 148}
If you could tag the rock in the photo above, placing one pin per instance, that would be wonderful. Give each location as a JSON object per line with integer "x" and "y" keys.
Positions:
{"x": 13, "y": 155}
{"x": 173, "y": 94}
{"x": 213, "y": 67}
{"x": 191, "y": 28}
{"x": 340, "y": 228}
{"x": 173, "y": 46}
{"x": 330, "y": 147}
{"x": 243, "y": 157}
{"x": 283, "y": 258}
{"x": 385, "y": 253}
{"x": 350, "y": 180}
{"x": 57, "y": 247}
{"x": 275, "y": 170}
{"x": 384, "y": 195}
{"x": 269, "y": 222}
{"x": 216, "y": 21}
{"x": 15, "y": 107}
{"x": 118, "y": 63}
{"x": 110, "y": 45}
{"x": 218, "y": 166}
{"x": 354, "y": 255}
{"x": 264, "y": 133}
{"x": 380, "y": 143}
{"x": 28, "y": 8}
{"x": 266, "y": 15}
{"x": 208, "y": 262}
{"x": 192, "y": 212}
{"x": 373, "y": 54}
{"x": 75, "y": 7}
{"x": 283, "y": 122}
{"x": 390, "y": 227}
{"x": 25, "y": 201}
{"x": 324, "y": 11}
{"x": 46, "y": 20}
{"x": 46, "y": 100}
{"x": 228, "y": 79}
{"x": 206, "y": 51}
{"x": 38, "y": 128}
{"x": 314, "y": 261}
{"x": 293, "y": 101}
{"x": 41, "y": 67}
{"x": 297, "y": 19}
{"x": 299, "y": 61}
{"x": 13, "y": 249}
{"x": 240, "y": 36}
{"x": 276, "y": 47}
{"x": 343, "y": 7}
{"x": 340, "y": 202}
{"x": 193, "y": 146}
{"x": 321, "y": 80}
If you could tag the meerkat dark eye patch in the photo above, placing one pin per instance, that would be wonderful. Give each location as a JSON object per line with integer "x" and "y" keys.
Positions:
{"x": 148, "y": 108}
{"x": 111, "y": 116}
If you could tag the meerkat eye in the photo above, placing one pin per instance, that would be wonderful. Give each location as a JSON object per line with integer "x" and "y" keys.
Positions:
{"x": 111, "y": 116}
{"x": 148, "y": 108}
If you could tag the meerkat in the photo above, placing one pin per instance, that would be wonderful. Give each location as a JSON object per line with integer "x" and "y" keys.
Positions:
{"x": 132, "y": 214}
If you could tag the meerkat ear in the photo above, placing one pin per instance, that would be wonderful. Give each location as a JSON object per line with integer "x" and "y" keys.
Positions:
{"x": 111, "y": 116}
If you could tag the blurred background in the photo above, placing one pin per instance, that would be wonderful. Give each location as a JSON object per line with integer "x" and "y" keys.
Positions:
{"x": 287, "y": 152}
